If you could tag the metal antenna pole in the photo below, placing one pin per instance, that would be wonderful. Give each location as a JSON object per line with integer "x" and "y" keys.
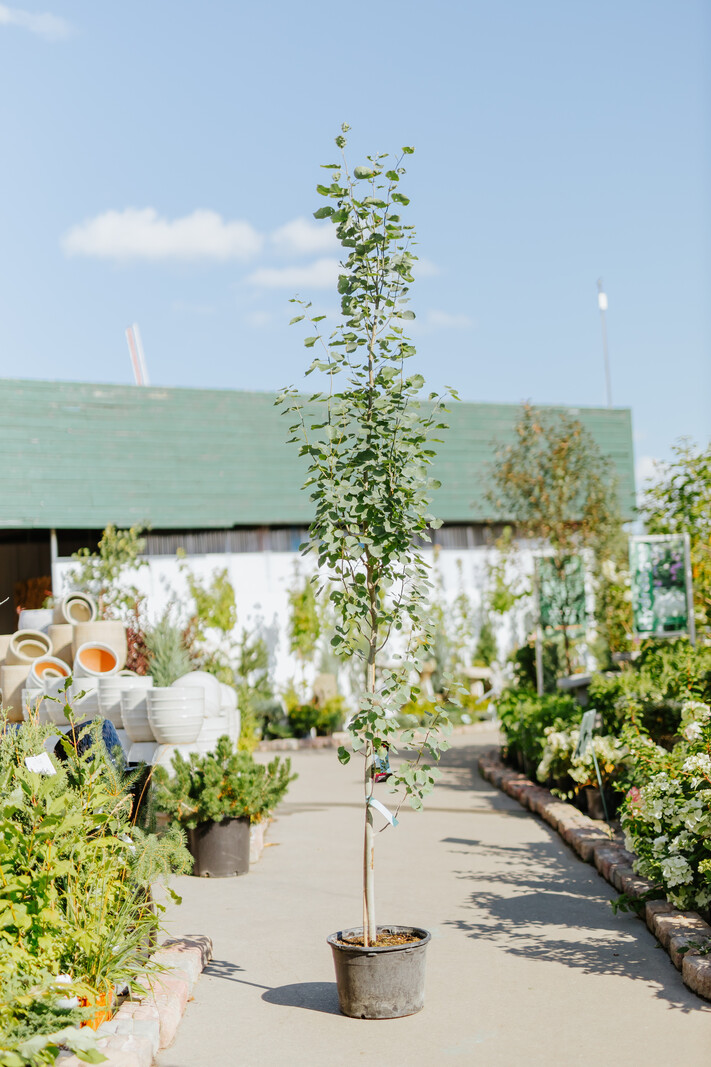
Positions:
{"x": 602, "y": 304}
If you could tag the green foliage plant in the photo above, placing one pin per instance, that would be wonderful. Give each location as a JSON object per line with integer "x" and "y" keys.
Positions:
{"x": 304, "y": 620}
{"x": 219, "y": 785}
{"x": 524, "y": 717}
{"x": 554, "y": 484}
{"x": 680, "y": 502}
{"x": 75, "y": 884}
{"x": 103, "y": 572}
{"x": 168, "y": 656}
{"x": 368, "y": 441}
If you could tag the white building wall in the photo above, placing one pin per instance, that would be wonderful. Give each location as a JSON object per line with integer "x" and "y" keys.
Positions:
{"x": 261, "y": 581}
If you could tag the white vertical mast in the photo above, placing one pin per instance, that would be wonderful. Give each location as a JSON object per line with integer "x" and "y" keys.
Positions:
{"x": 138, "y": 358}
{"x": 602, "y": 305}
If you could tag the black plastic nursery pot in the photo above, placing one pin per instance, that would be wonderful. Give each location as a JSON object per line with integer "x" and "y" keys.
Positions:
{"x": 380, "y": 983}
{"x": 220, "y": 849}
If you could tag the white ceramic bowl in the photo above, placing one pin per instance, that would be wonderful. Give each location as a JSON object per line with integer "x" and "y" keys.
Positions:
{"x": 172, "y": 726}
{"x": 208, "y": 683}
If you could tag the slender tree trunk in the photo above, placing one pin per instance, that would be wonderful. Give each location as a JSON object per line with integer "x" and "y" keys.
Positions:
{"x": 369, "y": 926}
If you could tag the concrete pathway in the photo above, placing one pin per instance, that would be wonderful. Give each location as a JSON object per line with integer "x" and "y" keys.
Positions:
{"x": 527, "y": 963}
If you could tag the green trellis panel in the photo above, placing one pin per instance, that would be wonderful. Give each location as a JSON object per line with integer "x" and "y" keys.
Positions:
{"x": 80, "y": 455}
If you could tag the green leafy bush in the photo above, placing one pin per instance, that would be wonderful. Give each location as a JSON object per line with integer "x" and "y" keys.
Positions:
{"x": 75, "y": 885}
{"x": 226, "y": 784}
{"x": 653, "y": 690}
{"x": 524, "y": 717}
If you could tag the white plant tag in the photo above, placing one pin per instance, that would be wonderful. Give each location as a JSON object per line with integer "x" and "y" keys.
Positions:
{"x": 383, "y": 811}
{"x": 41, "y": 764}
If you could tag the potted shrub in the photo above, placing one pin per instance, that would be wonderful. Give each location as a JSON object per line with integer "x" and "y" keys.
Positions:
{"x": 367, "y": 439}
{"x": 216, "y": 797}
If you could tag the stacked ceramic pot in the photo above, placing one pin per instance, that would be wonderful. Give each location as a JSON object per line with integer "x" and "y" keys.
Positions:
{"x": 110, "y": 688}
{"x": 51, "y": 645}
{"x": 140, "y": 739}
{"x": 215, "y": 722}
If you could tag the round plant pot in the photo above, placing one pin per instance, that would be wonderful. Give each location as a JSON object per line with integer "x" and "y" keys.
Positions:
{"x": 75, "y": 608}
{"x": 208, "y": 683}
{"x": 46, "y": 669}
{"x": 106, "y": 632}
{"x": 26, "y": 646}
{"x": 134, "y": 715}
{"x": 94, "y": 660}
{"x": 220, "y": 849}
{"x": 35, "y": 619}
{"x": 175, "y": 721}
{"x": 380, "y": 983}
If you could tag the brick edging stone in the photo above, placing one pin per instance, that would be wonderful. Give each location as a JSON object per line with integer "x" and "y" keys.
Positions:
{"x": 681, "y": 933}
{"x": 143, "y": 1026}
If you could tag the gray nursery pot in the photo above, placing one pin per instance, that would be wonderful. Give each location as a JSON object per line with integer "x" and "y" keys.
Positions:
{"x": 380, "y": 983}
{"x": 220, "y": 849}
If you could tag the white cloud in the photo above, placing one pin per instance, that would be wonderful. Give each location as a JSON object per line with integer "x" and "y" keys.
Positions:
{"x": 139, "y": 233}
{"x": 321, "y": 274}
{"x": 302, "y": 237}
{"x": 444, "y": 320}
{"x": 51, "y": 27}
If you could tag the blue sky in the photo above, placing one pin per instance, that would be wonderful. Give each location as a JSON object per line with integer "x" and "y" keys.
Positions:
{"x": 159, "y": 164}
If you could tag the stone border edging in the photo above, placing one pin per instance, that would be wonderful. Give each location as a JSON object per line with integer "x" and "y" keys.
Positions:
{"x": 679, "y": 932}
{"x": 141, "y": 1027}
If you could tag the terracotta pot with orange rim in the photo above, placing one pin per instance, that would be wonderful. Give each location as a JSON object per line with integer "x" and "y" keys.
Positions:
{"x": 94, "y": 660}
{"x": 26, "y": 646}
{"x": 104, "y": 632}
{"x": 46, "y": 669}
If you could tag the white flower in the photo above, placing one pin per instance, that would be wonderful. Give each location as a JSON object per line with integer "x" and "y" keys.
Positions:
{"x": 700, "y": 764}
{"x": 676, "y": 871}
{"x": 692, "y": 731}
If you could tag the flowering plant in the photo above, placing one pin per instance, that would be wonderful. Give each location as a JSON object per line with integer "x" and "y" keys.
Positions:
{"x": 559, "y": 761}
{"x": 667, "y": 818}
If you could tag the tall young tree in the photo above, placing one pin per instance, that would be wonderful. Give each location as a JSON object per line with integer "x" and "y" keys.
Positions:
{"x": 368, "y": 442}
{"x": 556, "y": 487}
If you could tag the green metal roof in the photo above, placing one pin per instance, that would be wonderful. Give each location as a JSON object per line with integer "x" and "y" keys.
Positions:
{"x": 81, "y": 455}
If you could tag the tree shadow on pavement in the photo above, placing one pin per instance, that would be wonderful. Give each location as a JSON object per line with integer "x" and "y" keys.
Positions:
{"x": 537, "y": 902}
{"x": 459, "y": 766}
{"x": 314, "y": 996}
